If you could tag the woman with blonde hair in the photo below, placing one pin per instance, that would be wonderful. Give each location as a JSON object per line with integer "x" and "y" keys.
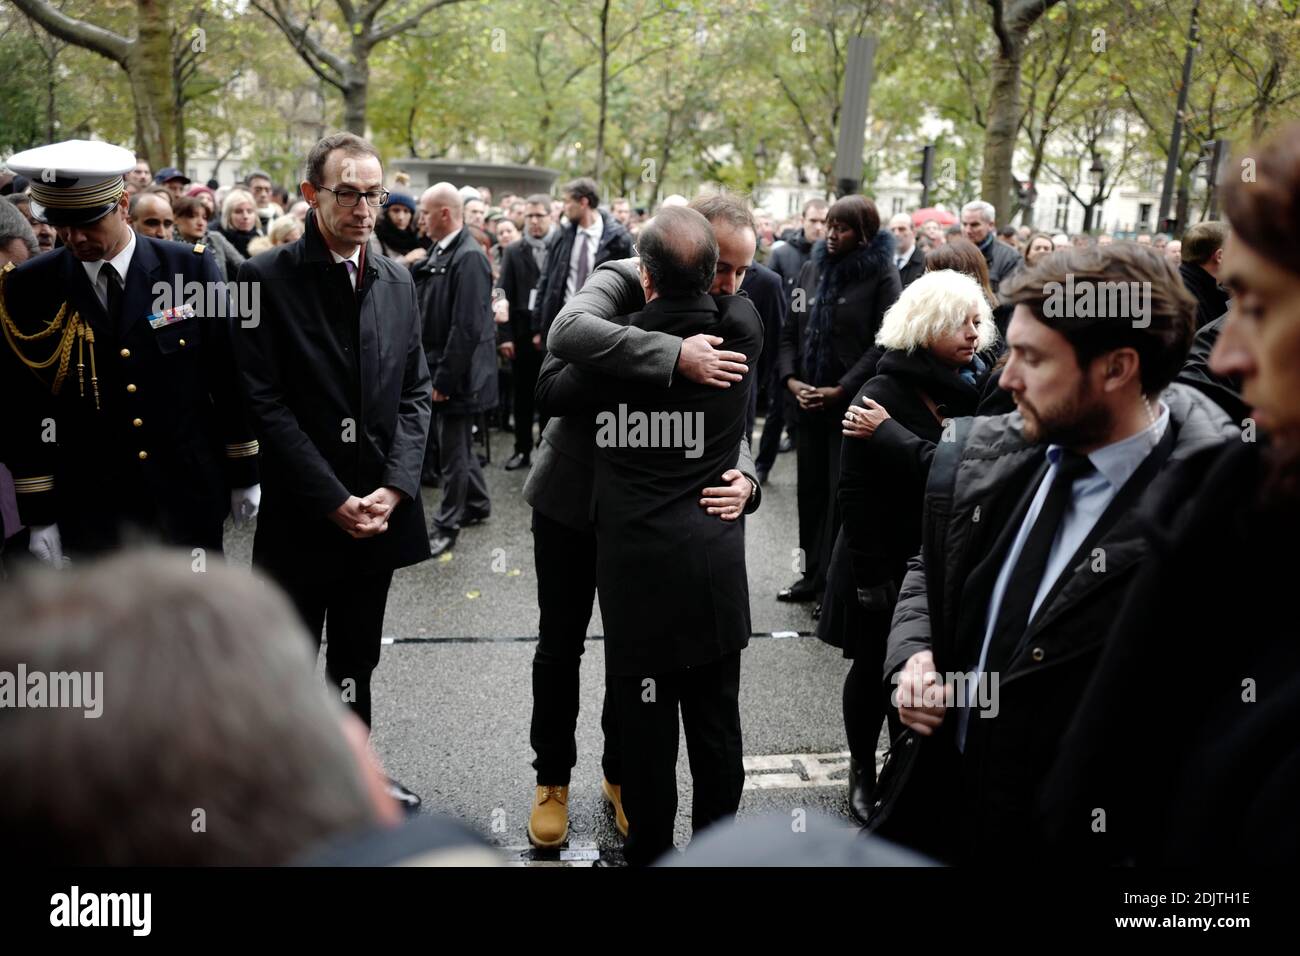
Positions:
{"x": 239, "y": 222}
{"x": 938, "y": 338}
{"x": 283, "y": 229}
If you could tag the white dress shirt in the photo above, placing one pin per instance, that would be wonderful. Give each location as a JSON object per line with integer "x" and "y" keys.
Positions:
{"x": 121, "y": 262}
{"x": 355, "y": 259}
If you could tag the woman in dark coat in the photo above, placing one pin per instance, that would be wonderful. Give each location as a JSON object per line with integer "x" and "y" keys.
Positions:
{"x": 827, "y": 354}
{"x": 395, "y": 229}
{"x": 939, "y": 337}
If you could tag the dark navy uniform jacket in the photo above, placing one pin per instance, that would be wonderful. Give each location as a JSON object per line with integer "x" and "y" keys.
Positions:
{"x": 149, "y": 434}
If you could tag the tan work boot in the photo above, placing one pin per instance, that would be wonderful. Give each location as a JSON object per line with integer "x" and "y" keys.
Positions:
{"x": 614, "y": 794}
{"x": 548, "y": 824}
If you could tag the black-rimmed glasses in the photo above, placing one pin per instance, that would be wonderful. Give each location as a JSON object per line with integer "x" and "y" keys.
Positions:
{"x": 347, "y": 198}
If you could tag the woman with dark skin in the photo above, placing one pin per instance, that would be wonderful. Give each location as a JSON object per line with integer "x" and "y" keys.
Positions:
{"x": 827, "y": 353}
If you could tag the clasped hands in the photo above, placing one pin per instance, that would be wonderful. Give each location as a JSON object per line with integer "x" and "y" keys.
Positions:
{"x": 367, "y": 517}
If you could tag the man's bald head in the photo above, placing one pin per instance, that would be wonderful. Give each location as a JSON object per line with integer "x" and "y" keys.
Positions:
{"x": 441, "y": 211}
{"x": 679, "y": 254}
{"x": 904, "y": 235}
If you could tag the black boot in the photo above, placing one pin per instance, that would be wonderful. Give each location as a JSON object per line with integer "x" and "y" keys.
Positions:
{"x": 862, "y": 788}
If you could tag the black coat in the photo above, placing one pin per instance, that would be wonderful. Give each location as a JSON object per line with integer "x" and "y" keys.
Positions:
{"x": 882, "y": 485}
{"x": 1211, "y": 299}
{"x": 339, "y": 393}
{"x": 615, "y": 243}
{"x": 169, "y": 438}
{"x": 1003, "y": 263}
{"x": 871, "y": 286}
{"x": 1216, "y": 779}
{"x": 1196, "y": 372}
{"x": 913, "y": 268}
{"x": 982, "y": 801}
{"x": 787, "y": 260}
{"x": 671, "y": 577}
{"x": 454, "y": 290}
{"x": 519, "y": 276}
{"x": 763, "y": 287}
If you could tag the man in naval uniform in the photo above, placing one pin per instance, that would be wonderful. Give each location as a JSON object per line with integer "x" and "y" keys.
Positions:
{"x": 123, "y": 415}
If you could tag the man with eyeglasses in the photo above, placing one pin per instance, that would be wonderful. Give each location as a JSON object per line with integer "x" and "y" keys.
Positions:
{"x": 339, "y": 391}
{"x": 150, "y": 214}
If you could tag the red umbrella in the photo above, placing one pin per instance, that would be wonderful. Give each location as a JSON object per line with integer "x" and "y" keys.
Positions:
{"x": 943, "y": 217}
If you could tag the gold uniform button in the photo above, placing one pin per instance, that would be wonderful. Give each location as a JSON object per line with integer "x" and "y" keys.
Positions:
{"x": 1036, "y": 653}
{"x": 182, "y": 343}
{"x": 144, "y": 455}
{"x": 126, "y": 353}
{"x": 131, "y": 388}
{"x": 137, "y": 422}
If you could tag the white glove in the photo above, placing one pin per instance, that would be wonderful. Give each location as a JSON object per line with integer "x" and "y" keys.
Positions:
{"x": 244, "y": 503}
{"x": 47, "y": 544}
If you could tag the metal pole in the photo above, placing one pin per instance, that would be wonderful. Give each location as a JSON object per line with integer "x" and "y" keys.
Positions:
{"x": 853, "y": 114}
{"x": 927, "y": 174}
{"x": 1175, "y": 140}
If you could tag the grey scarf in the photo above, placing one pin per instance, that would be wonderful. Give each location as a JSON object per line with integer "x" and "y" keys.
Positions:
{"x": 538, "y": 246}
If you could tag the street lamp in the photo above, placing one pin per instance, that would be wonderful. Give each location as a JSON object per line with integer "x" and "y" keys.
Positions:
{"x": 1097, "y": 173}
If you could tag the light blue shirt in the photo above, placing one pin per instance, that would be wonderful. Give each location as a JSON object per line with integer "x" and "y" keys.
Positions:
{"x": 1090, "y": 496}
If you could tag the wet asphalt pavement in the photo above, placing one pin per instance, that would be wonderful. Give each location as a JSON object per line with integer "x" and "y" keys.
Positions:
{"x": 453, "y": 697}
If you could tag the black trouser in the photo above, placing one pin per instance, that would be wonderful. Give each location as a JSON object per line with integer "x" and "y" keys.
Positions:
{"x": 818, "y": 474}
{"x": 566, "y": 593}
{"x": 647, "y": 716}
{"x": 528, "y": 362}
{"x": 354, "y": 609}
{"x": 778, "y": 414}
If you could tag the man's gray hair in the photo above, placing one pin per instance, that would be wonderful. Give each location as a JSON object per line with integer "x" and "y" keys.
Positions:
{"x": 216, "y": 742}
{"x": 14, "y": 225}
{"x": 985, "y": 209}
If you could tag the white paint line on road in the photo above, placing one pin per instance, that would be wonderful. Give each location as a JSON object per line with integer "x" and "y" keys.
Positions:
{"x": 796, "y": 771}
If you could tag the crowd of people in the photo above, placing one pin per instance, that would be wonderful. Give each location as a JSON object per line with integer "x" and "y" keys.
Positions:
{"x": 1027, "y": 468}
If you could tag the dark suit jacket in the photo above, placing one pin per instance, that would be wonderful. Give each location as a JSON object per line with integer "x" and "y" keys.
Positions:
{"x": 454, "y": 290}
{"x": 913, "y": 268}
{"x": 615, "y": 243}
{"x": 519, "y": 276}
{"x": 672, "y": 582}
{"x": 766, "y": 290}
{"x": 340, "y": 395}
{"x": 170, "y": 392}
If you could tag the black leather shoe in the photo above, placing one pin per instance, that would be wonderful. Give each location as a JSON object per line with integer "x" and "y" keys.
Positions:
{"x": 761, "y": 475}
{"x": 439, "y": 542}
{"x": 516, "y": 461}
{"x": 786, "y": 445}
{"x": 470, "y": 520}
{"x": 406, "y": 799}
{"x": 817, "y": 611}
{"x": 797, "y": 593}
{"x": 862, "y": 788}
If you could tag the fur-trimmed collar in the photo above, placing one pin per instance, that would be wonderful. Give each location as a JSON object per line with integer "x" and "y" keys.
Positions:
{"x": 862, "y": 261}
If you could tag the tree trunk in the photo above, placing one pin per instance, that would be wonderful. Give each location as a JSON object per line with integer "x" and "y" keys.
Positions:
{"x": 149, "y": 68}
{"x": 1000, "y": 134}
{"x": 357, "y": 83}
{"x": 604, "y": 90}
{"x": 354, "y": 104}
